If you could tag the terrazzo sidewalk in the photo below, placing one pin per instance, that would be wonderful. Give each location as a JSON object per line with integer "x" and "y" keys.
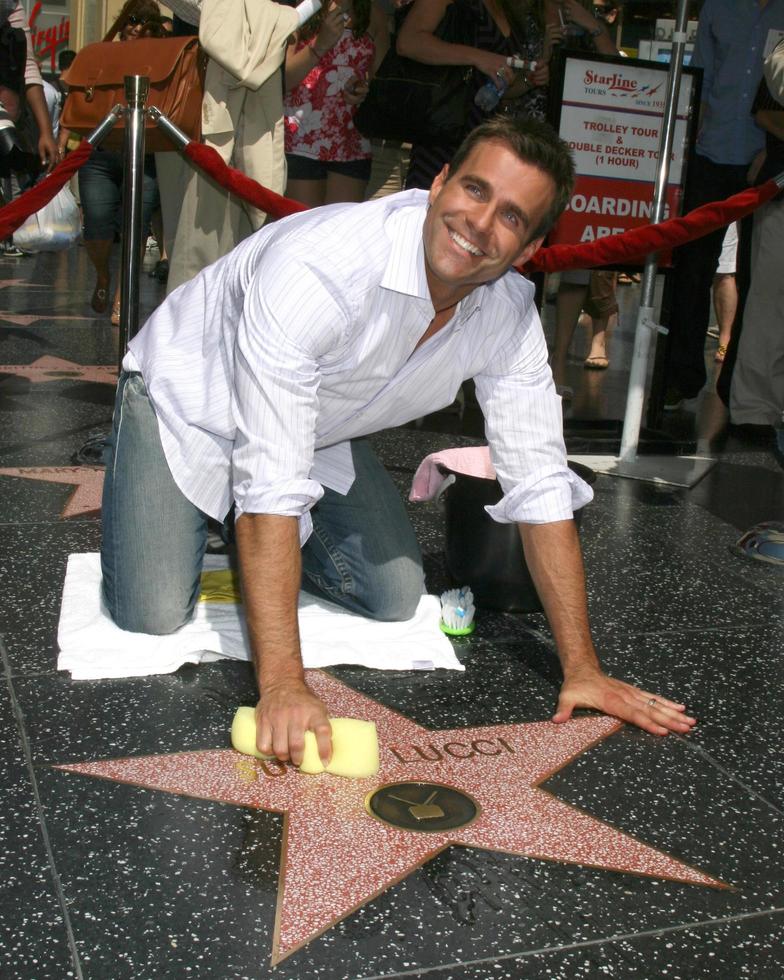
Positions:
{"x": 136, "y": 844}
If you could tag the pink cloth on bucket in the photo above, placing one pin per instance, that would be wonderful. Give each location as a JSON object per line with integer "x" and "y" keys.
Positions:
{"x": 472, "y": 461}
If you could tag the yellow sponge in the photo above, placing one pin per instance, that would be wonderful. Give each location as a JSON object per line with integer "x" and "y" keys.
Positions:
{"x": 354, "y": 749}
{"x": 354, "y": 745}
{"x": 243, "y": 733}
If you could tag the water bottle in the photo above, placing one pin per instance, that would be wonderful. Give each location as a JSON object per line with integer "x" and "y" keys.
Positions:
{"x": 489, "y": 95}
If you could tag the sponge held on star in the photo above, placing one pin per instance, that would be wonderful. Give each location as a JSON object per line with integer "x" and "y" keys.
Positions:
{"x": 354, "y": 745}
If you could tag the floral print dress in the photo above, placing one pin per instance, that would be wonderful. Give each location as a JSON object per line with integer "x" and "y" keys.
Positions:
{"x": 319, "y": 123}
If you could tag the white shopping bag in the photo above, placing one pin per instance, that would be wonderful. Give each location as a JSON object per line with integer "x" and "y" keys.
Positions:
{"x": 55, "y": 227}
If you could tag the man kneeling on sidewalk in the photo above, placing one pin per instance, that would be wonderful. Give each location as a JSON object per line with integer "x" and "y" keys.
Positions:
{"x": 255, "y": 383}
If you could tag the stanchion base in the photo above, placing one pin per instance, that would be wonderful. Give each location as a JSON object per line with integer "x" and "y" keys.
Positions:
{"x": 600, "y": 437}
{"x": 676, "y": 471}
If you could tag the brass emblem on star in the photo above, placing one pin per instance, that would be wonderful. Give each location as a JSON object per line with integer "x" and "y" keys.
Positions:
{"x": 428, "y": 807}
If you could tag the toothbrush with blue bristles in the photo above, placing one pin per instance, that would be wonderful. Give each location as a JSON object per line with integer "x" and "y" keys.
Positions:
{"x": 457, "y": 612}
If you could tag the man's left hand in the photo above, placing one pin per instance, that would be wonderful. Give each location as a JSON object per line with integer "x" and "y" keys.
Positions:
{"x": 593, "y": 689}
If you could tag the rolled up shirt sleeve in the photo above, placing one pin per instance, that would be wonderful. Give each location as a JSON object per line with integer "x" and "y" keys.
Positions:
{"x": 524, "y": 428}
{"x": 289, "y": 321}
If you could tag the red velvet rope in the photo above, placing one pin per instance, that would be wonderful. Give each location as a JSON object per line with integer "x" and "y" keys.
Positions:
{"x": 17, "y": 212}
{"x": 634, "y": 245}
{"x": 211, "y": 162}
{"x": 630, "y": 247}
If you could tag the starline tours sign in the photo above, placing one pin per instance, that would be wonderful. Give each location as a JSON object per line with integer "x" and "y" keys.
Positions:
{"x": 611, "y": 117}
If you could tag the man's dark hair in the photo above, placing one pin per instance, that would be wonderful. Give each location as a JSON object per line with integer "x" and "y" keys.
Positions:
{"x": 532, "y": 142}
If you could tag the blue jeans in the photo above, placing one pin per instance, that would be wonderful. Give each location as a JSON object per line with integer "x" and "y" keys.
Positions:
{"x": 101, "y": 189}
{"x": 363, "y": 553}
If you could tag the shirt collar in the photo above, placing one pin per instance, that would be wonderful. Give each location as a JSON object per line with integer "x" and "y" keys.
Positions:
{"x": 405, "y": 269}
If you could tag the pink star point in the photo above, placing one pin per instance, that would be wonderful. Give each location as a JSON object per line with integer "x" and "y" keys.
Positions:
{"x": 49, "y": 368}
{"x": 337, "y": 857}
{"x": 29, "y": 319}
{"x": 87, "y": 480}
{"x": 7, "y": 283}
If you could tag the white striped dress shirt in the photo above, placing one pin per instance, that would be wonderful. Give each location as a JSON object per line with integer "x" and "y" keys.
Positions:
{"x": 262, "y": 367}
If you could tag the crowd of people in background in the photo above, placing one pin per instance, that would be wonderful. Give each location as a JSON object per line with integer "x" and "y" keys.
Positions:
{"x": 101, "y": 177}
{"x": 295, "y": 133}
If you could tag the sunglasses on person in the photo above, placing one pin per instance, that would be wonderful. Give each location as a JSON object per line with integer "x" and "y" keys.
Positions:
{"x": 135, "y": 21}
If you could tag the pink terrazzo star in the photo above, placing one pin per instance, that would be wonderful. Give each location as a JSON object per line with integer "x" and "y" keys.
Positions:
{"x": 28, "y": 319}
{"x": 9, "y": 283}
{"x": 88, "y": 480}
{"x": 336, "y": 857}
{"x": 56, "y": 369}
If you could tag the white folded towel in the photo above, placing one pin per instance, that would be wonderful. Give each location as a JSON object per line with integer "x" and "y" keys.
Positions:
{"x": 92, "y": 646}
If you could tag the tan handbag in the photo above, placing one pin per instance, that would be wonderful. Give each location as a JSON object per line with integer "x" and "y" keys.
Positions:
{"x": 95, "y": 80}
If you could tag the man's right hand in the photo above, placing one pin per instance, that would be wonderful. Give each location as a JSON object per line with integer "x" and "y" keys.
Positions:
{"x": 283, "y": 715}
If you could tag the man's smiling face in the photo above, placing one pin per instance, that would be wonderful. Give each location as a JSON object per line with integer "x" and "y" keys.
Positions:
{"x": 481, "y": 219}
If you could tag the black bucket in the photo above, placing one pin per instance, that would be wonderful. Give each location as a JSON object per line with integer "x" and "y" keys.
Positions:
{"x": 487, "y": 555}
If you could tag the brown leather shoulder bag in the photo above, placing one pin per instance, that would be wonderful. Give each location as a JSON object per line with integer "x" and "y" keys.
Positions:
{"x": 175, "y": 67}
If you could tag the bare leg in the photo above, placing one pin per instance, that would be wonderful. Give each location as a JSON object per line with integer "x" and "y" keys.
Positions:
{"x": 568, "y": 304}
{"x": 157, "y": 233}
{"x": 597, "y": 356}
{"x": 603, "y": 307}
{"x": 310, "y": 192}
{"x": 99, "y": 253}
{"x": 342, "y": 188}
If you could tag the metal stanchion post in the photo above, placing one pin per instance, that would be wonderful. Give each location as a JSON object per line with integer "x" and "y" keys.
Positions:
{"x": 676, "y": 470}
{"x": 105, "y": 125}
{"x": 136, "y": 90}
{"x": 646, "y": 325}
{"x": 173, "y": 131}
{"x": 92, "y": 452}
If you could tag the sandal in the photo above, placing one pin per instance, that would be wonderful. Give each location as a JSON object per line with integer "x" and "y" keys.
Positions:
{"x": 100, "y": 298}
{"x": 116, "y": 315}
{"x": 721, "y": 353}
{"x": 596, "y": 362}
